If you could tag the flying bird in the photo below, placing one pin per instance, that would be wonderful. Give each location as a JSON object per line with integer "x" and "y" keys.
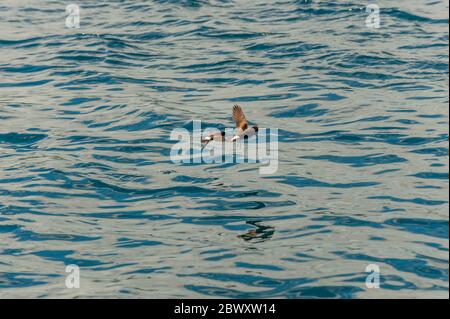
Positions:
{"x": 242, "y": 129}
{"x": 214, "y": 137}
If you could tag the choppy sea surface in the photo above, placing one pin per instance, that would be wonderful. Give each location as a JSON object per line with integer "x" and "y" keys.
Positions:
{"x": 86, "y": 177}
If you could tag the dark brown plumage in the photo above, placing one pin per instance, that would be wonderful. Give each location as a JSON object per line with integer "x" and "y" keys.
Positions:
{"x": 243, "y": 131}
{"x": 239, "y": 118}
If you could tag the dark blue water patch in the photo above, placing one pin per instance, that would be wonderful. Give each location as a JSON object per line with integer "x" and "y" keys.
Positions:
{"x": 216, "y": 291}
{"x": 416, "y": 266}
{"x": 272, "y": 287}
{"x": 430, "y": 116}
{"x": 8, "y": 228}
{"x": 377, "y": 238}
{"x": 435, "y": 151}
{"x": 406, "y": 87}
{"x": 121, "y": 159}
{"x": 407, "y": 121}
{"x": 23, "y": 279}
{"x": 27, "y": 235}
{"x": 419, "y": 201}
{"x": 283, "y": 49}
{"x": 385, "y": 171}
{"x": 298, "y": 51}
{"x": 131, "y": 214}
{"x": 80, "y": 100}
{"x": 251, "y": 193}
{"x": 389, "y": 282}
{"x": 63, "y": 257}
{"x": 80, "y": 56}
{"x": 359, "y": 161}
{"x": 145, "y": 271}
{"x": 222, "y": 205}
{"x": 431, "y": 175}
{"x": 286, "y": 288}
{"x": 89, "y": 165}
{"x": 271, "y": 97}
{"x": 429, "y": 227}
{"x": 433, "y": 259}
{"x": 124, "y": 242}
{"x": 220, "y": 257}
{"x": 20, "y": 42}
{"x": 352, "y": 60}
{"x": 18, "y": 210}
{"x": 238, "y": 227}
{"x": 396, "y": 139}
{"x": 428, "y": 187}
{"x": 301, "y": 182}
{"x": 328, "y": 7}
{"x": 148, "y": 121}
{"x": 224, "y": 220}
{"x": 298, "y": 86}
{"x": 385, "y": 128}
{"x": 193, "y": 180}
{"x": 402, "y": 111}
{"x": 389, "y": 138}
{"x": 423, "y": 46}
{"x": 21, "y": 138}
{"x": 258, "y": 266}
{"x": 325, "y": 292}
{"x": 21, "y": 234}
{"x": 133, "y": 149}
{"x": 348, "y": 221}
{"x": 420, "y": 98}
{"x": 109, "y": 190}
{"x": 307, "y": 110}
{"x": 363, "y": 75}
{"x": 88, "y": 83}
{"x": 26, "y": 68}
{"x": 11, "y": 252}
{"x": 228, "y": 65}
{"x": 433, "y": 245}
{"x": 45, "y": 10}
{"x": 48, "y": 194}
{"x": 24, "y": 83}
{"x": 111, "y": 267}
{"x": 438, "y": 67}
{"x": 302, "y": 258}
{"x": 387, "y": 209}
{"x": 285, "y": 136}
{"x": 302, "y": 229}
{"x": 221, "y": 81}
{"x": 226, "y": 35}
{"x": 214, "y": 251}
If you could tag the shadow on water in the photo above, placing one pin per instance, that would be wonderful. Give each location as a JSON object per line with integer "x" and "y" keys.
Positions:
{"x": 260, "y": 234}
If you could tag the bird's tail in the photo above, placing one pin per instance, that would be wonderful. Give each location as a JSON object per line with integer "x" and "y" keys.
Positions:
{"x": 206, "y": 140}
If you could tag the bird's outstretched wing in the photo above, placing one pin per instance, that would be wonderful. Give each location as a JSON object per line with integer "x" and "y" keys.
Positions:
{"x": 239, "y": 118}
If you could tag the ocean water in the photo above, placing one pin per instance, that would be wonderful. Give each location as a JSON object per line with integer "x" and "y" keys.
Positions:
{"x": 86, "y": 176}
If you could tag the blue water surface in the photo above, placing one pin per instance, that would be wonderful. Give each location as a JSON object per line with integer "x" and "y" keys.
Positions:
{"x": 86, "y": 176}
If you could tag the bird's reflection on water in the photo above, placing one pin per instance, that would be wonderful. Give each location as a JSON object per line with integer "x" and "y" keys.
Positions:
{"x": 260, "y": 234}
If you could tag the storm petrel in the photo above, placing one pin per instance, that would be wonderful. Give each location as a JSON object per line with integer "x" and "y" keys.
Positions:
{"x": 243, "y": 131}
